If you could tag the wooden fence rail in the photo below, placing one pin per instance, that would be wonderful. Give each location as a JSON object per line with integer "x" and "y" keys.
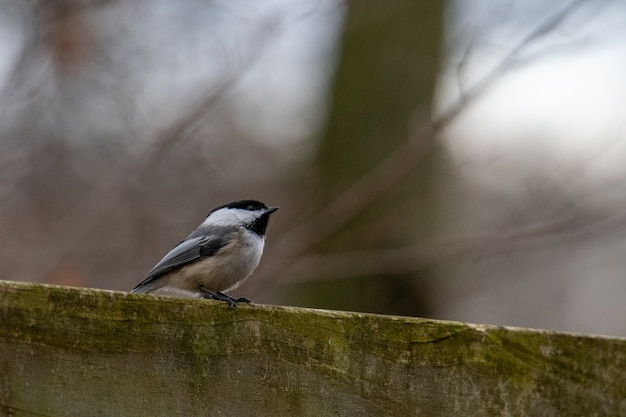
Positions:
{"x": 84, "y": 352}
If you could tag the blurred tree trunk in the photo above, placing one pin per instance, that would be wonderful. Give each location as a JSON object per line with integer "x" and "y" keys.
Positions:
{"x": 383, "y": 87}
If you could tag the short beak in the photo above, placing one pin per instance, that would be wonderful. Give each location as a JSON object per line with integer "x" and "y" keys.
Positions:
{"x": 271, "y": 209}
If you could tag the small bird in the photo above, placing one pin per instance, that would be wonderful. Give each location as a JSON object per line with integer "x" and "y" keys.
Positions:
{"x": 216, "y": 257}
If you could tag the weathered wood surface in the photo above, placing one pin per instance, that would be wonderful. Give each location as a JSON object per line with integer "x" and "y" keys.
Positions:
{"x": 83, "y": 352}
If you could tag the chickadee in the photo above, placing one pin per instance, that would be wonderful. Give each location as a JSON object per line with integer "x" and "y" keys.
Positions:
{"x": 216, "y": 257}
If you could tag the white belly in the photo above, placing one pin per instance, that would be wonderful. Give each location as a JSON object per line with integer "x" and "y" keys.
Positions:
{"x": 224, "y": 271}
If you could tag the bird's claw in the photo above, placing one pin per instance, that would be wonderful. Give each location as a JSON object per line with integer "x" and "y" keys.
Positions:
{"x": 216, "y": 295}
{"x": 245, "y": 300}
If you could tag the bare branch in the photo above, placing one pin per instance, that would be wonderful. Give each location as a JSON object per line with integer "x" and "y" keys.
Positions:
{"x": 113, "y": 187}
{"x": 444, "y": 249}
{"x": 403, "y": 161}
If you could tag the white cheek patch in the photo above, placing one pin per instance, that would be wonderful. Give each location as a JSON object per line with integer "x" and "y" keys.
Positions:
{"x": 221, "y": 218}
{"x": 231, "y": 217}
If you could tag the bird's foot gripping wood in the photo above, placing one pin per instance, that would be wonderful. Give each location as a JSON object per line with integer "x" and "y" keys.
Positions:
{"x": 216, "y": 295}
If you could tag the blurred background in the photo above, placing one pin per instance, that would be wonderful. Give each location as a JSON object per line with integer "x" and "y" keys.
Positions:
{"x": 460, "y": 160}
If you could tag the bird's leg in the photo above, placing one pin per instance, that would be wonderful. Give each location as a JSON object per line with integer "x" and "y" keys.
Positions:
{"x": 216, "y": 295}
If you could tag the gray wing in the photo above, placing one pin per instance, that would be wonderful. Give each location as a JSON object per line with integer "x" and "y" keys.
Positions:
{"x": 187, "y": 251}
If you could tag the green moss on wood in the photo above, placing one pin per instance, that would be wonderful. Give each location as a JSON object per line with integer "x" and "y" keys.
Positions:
{"x": 77, "y": 352}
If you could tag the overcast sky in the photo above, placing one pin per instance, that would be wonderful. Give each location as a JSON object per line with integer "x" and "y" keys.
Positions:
{"x": 561, "y": 104}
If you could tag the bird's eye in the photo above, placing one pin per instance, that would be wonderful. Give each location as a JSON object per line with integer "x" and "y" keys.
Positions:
{"x": 250, "y": 207}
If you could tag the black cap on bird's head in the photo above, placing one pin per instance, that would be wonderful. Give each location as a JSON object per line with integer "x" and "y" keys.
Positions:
{"x": 250, "y": 205}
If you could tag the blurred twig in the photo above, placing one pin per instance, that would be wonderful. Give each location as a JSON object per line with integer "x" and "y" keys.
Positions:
{"x": 393, "y": 169}
{"x": 446, "y": 248}
{"x": 114, "y": 186}
{"x": 406, "y": 158}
